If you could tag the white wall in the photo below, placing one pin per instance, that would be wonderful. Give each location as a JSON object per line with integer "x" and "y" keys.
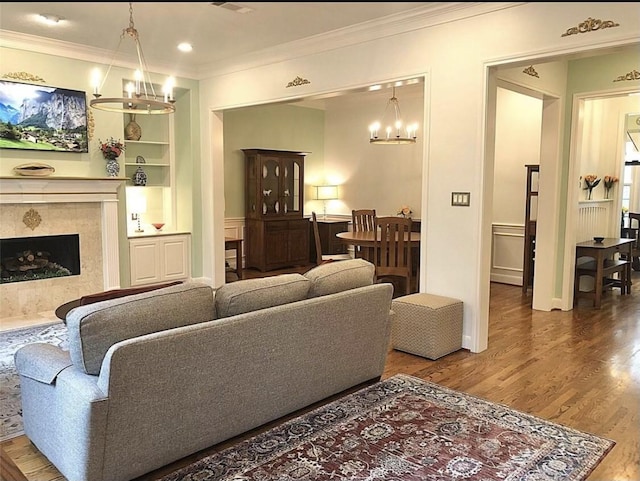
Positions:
{"x": 518, "y": 136}
{"x": 454, "y": 57}
{"x": 518, "y": 131}
{"x": 381, "y": 177}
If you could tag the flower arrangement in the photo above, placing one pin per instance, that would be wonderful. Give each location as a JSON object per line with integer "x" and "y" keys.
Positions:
{"x": 591, "y": 181}
{"x": 111, "y": 148}
{"x": 609, "y": 180}
{"x": 405, "y": 211}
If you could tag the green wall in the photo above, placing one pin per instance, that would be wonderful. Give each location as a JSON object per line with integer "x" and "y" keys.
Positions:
{"x": 591, "y": 74}
{"x": 76, "y": 74}
{"x": 277, "y": 127}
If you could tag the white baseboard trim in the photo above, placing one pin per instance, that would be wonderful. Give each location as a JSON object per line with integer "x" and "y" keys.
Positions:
{"x": 515, "y": 280}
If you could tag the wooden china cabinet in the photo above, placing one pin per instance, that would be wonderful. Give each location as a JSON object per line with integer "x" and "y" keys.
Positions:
{"x": 276, "y": 234}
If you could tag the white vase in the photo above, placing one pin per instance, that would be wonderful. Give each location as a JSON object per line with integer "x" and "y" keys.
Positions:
{"x": 113, "y": 167}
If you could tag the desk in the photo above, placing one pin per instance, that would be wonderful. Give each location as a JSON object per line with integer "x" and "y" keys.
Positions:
{"x": 230, "y": 244}
{"x": 600, "y": 252}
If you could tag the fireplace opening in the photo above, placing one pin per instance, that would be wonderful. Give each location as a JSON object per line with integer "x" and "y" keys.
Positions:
{"x": 33, "y": 258}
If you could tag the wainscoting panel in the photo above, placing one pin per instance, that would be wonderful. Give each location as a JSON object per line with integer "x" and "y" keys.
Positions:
{"x": 507, "y": 253}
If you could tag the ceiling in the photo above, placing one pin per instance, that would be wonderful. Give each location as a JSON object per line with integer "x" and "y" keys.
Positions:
{"x": 218, "y": 34}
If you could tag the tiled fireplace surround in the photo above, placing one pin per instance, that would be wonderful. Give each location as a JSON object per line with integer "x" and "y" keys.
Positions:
{"x": 64, "y": 205}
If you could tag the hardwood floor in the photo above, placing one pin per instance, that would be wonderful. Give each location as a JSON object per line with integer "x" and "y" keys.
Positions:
{"x": 579, "y": 368}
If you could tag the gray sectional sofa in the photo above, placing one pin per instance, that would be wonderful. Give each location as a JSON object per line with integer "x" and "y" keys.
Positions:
{"x": 153, "y": 377}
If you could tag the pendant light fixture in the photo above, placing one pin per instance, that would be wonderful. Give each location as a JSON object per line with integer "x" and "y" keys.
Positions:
{"x": 139, "y": 96}
{"x": 396, "y": 131}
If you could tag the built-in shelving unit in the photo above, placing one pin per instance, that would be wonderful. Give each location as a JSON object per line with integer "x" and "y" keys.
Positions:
{"x": 154, "y": 153}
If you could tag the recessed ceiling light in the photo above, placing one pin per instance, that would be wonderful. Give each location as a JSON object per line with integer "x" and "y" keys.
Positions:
{"x": 49, "y": 19}
{"x": 185, "y": 47}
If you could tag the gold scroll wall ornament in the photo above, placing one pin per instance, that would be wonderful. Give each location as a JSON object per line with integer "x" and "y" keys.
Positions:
{"x": 633, "y": 75}
{"x": 27, "y": 77}
{"x": 32, "y": 219}
{"x": 590, "y": 25}
{"x": 531, "y": 71}
{"x": 91, "y": 125}
{"x": 296, "y": 82}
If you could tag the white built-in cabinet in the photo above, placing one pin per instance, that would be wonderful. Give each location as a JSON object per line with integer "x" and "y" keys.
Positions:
{"x": 154, "y": 255}
{"x": 160, "y": 258}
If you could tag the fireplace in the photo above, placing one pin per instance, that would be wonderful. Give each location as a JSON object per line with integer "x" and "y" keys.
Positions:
{"x": 80, "y": 212}
{"x": 42, "y": 257}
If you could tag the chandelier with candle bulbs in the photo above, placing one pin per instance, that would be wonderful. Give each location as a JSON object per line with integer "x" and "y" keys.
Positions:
{"x": 396, "y": 131}
{"x": 139, "y": 96}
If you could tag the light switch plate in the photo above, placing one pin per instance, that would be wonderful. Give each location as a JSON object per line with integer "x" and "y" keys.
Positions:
{"x": 461, "y": 198}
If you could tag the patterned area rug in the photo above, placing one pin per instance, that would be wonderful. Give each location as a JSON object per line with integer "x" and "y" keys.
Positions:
{"x": 10, "y": 342}
{"x": 406, "y": 429}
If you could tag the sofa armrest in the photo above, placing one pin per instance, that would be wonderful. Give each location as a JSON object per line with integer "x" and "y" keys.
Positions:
{"x": 41, "y": 362}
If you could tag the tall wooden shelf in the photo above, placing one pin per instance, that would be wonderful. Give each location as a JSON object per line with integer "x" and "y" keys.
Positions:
{"x": 530, "y": 217}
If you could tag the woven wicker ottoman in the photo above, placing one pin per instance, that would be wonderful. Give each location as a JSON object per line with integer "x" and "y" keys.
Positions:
{"x": 427, "y": 325}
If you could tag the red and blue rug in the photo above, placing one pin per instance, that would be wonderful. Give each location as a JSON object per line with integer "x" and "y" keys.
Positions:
{"x": 407, "y": 429}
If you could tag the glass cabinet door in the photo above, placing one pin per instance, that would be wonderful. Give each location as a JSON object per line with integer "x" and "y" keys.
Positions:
{"x": 291, "y": 186}
{"x": 271, "y": 187}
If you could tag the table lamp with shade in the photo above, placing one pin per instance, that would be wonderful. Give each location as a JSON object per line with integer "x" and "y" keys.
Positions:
{"x": 138, "y": 206}
{"x": 325, "y": 193}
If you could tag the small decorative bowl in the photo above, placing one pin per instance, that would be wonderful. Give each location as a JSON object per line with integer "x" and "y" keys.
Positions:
{"x": 598, "y": 240}
{"x": 158, "y": 225}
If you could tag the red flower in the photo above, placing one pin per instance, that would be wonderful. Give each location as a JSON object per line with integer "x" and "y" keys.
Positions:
{"x": 111, "y": 148}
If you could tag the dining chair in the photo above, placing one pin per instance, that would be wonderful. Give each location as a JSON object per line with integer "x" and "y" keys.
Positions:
{"x": 633, "y": 232}
{"x": 392, "y": 250}
{"x": 320, "y": 258}
{"x": 363, "y": 220}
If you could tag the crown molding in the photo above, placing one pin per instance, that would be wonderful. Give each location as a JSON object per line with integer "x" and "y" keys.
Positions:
{"x": 419, "y": 18}
{"x": 60, "y": 48}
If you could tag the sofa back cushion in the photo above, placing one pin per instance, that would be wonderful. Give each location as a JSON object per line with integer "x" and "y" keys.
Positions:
{"x": 340, "y": 276}
{"x": 95, "y": 327}
{"x": 253, "y": 294}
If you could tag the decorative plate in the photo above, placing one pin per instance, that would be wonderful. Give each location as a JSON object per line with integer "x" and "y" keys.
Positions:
{"x": 34, "y": 169}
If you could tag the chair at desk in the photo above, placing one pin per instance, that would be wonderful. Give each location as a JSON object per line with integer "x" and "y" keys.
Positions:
{"x": 633, "y": 232}
{"x": 363, "y": 220}
{"x": 392, "y": 250}
{"x": 322, "y": 259}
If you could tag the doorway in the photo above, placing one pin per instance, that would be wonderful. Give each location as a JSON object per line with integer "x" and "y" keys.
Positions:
{"x": 555, "y": 239}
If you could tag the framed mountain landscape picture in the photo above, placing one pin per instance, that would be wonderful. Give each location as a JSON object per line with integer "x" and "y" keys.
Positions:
{"x": 38, "y": 117}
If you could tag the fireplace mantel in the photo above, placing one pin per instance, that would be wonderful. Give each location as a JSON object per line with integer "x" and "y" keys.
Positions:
{"x": 58, "y": 189}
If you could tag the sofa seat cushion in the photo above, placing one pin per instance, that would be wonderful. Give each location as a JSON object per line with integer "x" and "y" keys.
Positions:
{"x": 95, "y": 327}
{"x": 254, "y": 294}
{"x": 340, "y": 276}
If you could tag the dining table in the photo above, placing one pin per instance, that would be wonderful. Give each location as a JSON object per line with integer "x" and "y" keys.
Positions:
{"x": 366, "y": 240}
{"x": 601, "y": 250}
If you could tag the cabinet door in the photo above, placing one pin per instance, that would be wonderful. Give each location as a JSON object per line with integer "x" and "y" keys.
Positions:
{"x": 176, "y": 258}
{"x": 160, "y": 259}
{"x": 298, "y": 241}
{"x": 145, "y": 261}
{"x": 291, "y": 177}
{"x": 270, "y": 184}
{"x": 276, "y": 243}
